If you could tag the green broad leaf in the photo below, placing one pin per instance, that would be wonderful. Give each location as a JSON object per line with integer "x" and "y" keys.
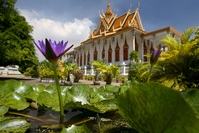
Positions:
{"x": 14, "y": 125}
{"x": 14, "y": 101}
{"x": 154, "y": 108}
{"x": 76, "y": 129}
{"x": 49, "y": 97}
{"x": 192, "y": 97}
{"x": 3, "y": 110}
{"x": 23, "y": 89}
{"x": 5, "y": 90}
{"x": 38, "y": 88}
{"x": 99, "y": 100}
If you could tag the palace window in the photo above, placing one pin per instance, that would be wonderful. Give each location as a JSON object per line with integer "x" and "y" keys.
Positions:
{"x": 117, "y": 53}
{"x": 125, "y": 51}
{"x": 103, "y": 53}
{"x": 78, "y": 59}
{"x": 136, "y": 45}
{"x": 95, "y": 54}
{"x": 109, "y": 54}
{"x": 81, "y": 60}
{"x": 88, "y": 58}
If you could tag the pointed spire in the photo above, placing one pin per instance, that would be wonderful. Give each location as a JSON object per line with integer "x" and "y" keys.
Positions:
{"x": 108, "y": 10}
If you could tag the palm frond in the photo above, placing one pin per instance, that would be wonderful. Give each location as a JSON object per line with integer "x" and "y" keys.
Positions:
{"x": 187, "y": 34}
{"x": 171, "y": 42}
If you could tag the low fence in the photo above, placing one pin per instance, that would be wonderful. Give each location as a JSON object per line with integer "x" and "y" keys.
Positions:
{"x": 124, "y": 69}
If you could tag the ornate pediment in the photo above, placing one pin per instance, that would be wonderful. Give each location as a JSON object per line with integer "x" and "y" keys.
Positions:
{"x": 109, "y": 23}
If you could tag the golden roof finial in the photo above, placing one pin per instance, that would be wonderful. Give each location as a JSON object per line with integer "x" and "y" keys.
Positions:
{"x": 108, "y": 10}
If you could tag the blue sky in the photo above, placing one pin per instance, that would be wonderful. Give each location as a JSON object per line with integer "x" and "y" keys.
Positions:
{"x": 73, "y": 20}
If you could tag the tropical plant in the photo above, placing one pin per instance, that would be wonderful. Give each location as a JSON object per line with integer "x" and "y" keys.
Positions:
{"x": 178, "y": 67}
{"x": 123, "y": 79}
{"x": 70, "y": 68}
{"x": 134, "y": 56}
{"x": 108, "y": 71}
{"x": 134, "y": 71}
{"x": 134, "y": 59}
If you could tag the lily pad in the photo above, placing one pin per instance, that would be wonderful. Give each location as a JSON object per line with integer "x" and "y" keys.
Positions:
{"x": 99, "y": 100}
{"x": 76, "y": 129}
{"x": 23, "y": 89}
{"x": 49, "y": 97}
{"x": 14, "y": 125}
{"x": 12, "y": 99}
{"x": 154, "y": 108}
{"x": 37, "y": 88}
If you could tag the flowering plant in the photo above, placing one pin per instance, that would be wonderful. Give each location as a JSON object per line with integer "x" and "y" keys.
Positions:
{"x": 153, "y": 59}
{"x": 52, "y": 52}
{"x": 78, "y": 74}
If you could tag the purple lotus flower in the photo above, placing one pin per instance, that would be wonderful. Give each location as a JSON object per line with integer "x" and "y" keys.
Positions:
{"x": 52, "y": 50}
{"x": 154, "y": 57}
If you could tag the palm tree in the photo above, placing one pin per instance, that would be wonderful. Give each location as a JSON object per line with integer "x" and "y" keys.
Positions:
{"x": 178, "y": 67}
{"x": 108, "y": 71}
{"x": 70, "y": 67}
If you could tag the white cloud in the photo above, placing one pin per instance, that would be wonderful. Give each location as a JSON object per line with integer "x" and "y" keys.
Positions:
{"x": 73, "y": 32}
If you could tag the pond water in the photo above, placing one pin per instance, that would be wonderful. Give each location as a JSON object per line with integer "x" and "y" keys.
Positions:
{"x": 110, "y": 122}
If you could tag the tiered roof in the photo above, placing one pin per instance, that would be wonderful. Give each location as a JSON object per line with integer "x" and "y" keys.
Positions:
{"x": 110, "y": 24}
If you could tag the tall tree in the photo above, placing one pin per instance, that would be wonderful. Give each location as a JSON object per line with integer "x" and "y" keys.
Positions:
{"x": 16, "y": 47}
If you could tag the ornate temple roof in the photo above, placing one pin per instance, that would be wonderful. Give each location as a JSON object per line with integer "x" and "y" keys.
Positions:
{"x": 110, "y": 24}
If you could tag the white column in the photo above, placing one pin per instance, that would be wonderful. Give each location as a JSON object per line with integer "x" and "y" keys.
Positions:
{"x": 141, "y": 50}
{"x": 133, "y": 40}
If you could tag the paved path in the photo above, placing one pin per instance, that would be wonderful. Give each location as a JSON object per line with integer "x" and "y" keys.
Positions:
{"x": 33, "y": 81}
{"x": 90, "y": 83}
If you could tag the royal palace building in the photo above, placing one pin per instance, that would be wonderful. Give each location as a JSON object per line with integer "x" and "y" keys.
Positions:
{"x": 116, "y": 36}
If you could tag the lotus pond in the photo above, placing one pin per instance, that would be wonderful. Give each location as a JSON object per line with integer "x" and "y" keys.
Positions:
{"x": 130, "y": 108}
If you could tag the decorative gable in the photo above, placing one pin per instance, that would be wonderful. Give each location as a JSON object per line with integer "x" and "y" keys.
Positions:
{"x": 109, "y": 23}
